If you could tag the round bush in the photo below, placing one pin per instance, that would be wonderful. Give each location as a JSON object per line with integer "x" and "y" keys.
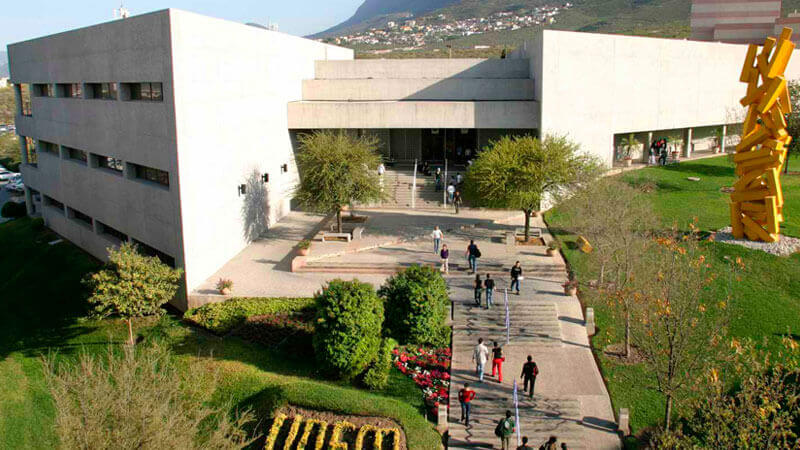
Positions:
{"x": 37, "y": 224}
{"x": 13, "y": 210}
{"x": 347, "y": 327}
{"x": 377, "y": 376}
{"x": 417, "y": 306}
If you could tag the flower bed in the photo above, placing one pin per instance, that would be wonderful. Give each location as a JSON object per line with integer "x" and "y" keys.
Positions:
{"x": 430, "y": 370}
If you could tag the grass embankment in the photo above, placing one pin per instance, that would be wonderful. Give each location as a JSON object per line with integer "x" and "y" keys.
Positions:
{"x": 40, "y": 308}
{"x": 766, "y": 304}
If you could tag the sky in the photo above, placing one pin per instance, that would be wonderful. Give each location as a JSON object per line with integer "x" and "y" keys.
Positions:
{"x": 26, "y": 19}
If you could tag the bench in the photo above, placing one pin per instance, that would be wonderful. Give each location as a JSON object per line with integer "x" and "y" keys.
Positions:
{"x": 326, "y": 234}
{"x": 357, "y": 232}
{"x": 535, "y": 232}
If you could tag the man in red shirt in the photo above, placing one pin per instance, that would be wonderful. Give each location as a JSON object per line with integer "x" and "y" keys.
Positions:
{"x": 465, "y": 396}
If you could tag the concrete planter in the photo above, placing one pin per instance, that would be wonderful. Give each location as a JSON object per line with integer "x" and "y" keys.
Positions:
{"x": 551, "y": 251}
{"x": 225, "y": 291}
{"x": 628, "y": 162}
{"x": 570, "y": 291}
{"x": 303, "y": 251}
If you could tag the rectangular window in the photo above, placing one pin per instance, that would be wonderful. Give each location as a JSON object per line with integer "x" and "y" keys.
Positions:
{"x": 102, "y": 91}
{"x": 53, "y": 203}
{"x": 48, "y": 147}
{"x": 30, "y": 152}
{"x": 43, "y": 90}
{"x": 80, "y": 217}
{"x": 25, "y": 95}
{"x": 150, "y": 174}
{"x": 150, "y": 251}
{"x": 150, "y": 92}
{"x": 113, "y": 232}
{"x": 76, "y": 155}
{"x": 69, "y": 90}
{"x": 107, "y": 162}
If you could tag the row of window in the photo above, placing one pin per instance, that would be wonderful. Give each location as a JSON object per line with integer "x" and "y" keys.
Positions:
{"x": 115, "y": 165}
{"x": 149, "y": 91}
{"x": 105, "y": 230}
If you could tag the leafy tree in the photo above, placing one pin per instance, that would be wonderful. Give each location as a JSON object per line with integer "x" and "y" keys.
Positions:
{"x": 10, "y": 154}
{"x": 793, "y": 121}
{"x": 132, "y": 285}
{"x": 517, "y": 172}
{"x": 627, "y": 144}
{"x": 417, "y": 306}
{"x": 140, "y": 399}
{"x": 8, "y": 105}
{"x": 337, "y": 170}
{"x": 347, "y": 328}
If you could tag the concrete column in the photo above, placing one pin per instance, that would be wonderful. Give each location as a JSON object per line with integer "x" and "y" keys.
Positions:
{"x": 18, "y": 98}
{"x": 687, "y": 142}
{"x": 23, "y": 149}
{"x": 590, "y": 329}
{"x": 646, "y": 152}
{"x": 724, "y": 136}
{"x": 29, "y": 202}
{"x": 624, "y": 421}
{"x": 441, "y": 419}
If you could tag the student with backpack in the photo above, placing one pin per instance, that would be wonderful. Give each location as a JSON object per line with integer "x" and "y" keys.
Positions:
{"x": 497, "y": 361}
{"x": 504, "y": 430}
{"x": 524, "y": 445}
{"x": 472, "y": 254}
{"x": 477, "y": 285}
{"x": 529, "y": 373}
{"x": 489, "y": 285}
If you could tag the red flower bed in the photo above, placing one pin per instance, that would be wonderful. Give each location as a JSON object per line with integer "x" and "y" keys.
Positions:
{"x": 430, "y": 370}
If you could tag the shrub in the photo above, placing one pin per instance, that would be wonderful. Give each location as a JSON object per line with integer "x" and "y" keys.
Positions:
{"x": 37, "y": 224}
{"x": 377, "y": 376}
{"x": 347, "y": 327}
{"x": 304, "y": 244}
{"x": 417, "y": 307}
{"x": 291, "y": 332}
{"x": 224, "y": 283}
{"x": 13, "y": 210}
{"x": 220, "y": 318}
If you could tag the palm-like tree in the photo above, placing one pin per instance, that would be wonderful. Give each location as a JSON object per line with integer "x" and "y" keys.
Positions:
{"x": 627, "y": 144}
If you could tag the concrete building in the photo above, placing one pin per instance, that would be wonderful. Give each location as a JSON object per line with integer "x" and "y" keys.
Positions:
{"x": 176, "y": 130}
{"x": 739, "y": 21}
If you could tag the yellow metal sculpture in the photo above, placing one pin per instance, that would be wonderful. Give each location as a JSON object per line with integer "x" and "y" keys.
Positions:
{"x": 757, "y": 199}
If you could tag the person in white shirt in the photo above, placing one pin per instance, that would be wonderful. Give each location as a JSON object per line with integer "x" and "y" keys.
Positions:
{"x": 438, "y": 237}
{"x": 451, "y": 191}
{"x": 480, "y": 355}
{"x": 381, "y": 169}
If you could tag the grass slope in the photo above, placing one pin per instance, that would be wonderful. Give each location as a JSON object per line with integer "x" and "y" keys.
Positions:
{"x": 40, "y": 309}
{"x": 766, "y": 305}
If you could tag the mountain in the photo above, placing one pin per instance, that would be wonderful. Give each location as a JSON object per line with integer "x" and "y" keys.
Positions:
{"x": 3, "y": 64}
{"x": 372, "y": 11}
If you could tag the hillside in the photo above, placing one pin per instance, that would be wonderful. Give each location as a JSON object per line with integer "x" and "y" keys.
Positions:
{"x": 373, "y": 12}
{"x": 3, "y": 64}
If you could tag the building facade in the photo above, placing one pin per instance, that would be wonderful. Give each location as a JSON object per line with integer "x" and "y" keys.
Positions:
{"x": 176, "y": 131}
{"x": 739, "y": 21}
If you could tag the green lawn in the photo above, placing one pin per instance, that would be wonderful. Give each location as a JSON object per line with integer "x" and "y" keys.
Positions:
{"x": 40, "y": 310}
{"x": 766, "y": 303}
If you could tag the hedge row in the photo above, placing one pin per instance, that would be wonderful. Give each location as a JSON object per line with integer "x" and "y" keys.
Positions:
{"x": 221, "y": 318}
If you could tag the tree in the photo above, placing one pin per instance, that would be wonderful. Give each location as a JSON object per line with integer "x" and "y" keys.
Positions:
{"x": 793, "y": 121}
{"x": 10, "y": 155}
{"x": 417, "y": 306}
{"x": 517, "y": 172}
{"x": 627, "y": 144}
{"x": 337, "y": 170}
{"x": 8, "y": 105}
{"x": 616, "y": 219}
{"x": 348, "y": 325}
{"x": 140, "y": 398}
{"x": 132, "y": 285}
{"x": 678, "y": 322}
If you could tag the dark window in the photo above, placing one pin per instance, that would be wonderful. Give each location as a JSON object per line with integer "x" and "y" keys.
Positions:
{"x": 107, "y": 162}
{"x": 30, "y": 151}
{"x": 69, "y": 90}
{"x": 25, "y": 94}
{"x": 107, "y": 230}
{"x": 80, "y": 217}
{"x": 75, "y": 154}
{"x": 103, "y": 91}
{"x": 43, "y": 90}
{"x": 48, "y": 147}
{"x": 148, "y": 173}
{"x": 146, "y": 91}
{"x": 150, "y": 251}
{"x": 55, "y": 204}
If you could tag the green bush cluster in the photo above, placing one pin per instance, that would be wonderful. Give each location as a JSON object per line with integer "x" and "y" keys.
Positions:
{"x": 221, "y": 318}
{"x": 347, "y": 327}
{"x": 417, "y": 303}
{"x": 13, "y": 210}
{"x": 377, "y": 376}
{"x": 37, "y": 224}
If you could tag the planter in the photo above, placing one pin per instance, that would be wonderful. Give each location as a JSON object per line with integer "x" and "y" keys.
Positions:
{"x": 570, "y": 291}
{"x": 551, "y": 251}
{"x": 303, "y": 251}
{"x": 627, "y": 162}
{"x": 225, "y": 291}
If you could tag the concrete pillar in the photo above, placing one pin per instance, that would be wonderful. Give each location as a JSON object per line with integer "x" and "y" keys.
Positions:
{"x": 590, "y": 329}
{"x": 23, "y": 149}
{"x": 29, "y": 202}
{"x": 441, "y": 418}
{"x": 18, "y": 98}
{"x": 511, "y": 239}
{"x": 724, "y": 136}
{"x": 624, "y": 421}
{"x": 646, "y": 149}
{"x": 687, "y": 142}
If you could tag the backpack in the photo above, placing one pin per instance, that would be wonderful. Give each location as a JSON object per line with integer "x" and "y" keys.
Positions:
{"x": 498, "y": 430}
{"x": 477, "y": 253}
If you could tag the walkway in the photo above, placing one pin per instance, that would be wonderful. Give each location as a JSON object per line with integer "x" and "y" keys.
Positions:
{"x": 570, "y": 400}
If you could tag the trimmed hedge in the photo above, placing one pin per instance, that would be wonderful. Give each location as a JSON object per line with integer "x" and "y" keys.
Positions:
{"x": 377, "y": 376}
{"x": 417, "y": 301}
{"x": 347, "y": 332}
{"x": 221, "y": 318}
{"x": 13, "y": 210}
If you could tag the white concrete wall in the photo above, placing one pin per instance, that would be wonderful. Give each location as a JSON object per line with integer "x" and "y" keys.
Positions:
{"x": 233, "y": 83}
{"x": 422, "y": 68}
{"x": 454, "y": 89}
{"x": 593, "y": 86}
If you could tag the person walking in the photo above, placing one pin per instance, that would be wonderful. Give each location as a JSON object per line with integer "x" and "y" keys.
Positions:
{"x": 564, "y": 446}
{"x": 550, "y": 444}
{"x": 457, "y": 200}
{"x": 472, "y": 254}
{"x": 516, "y": 276}
{"x": 451, "y": 191}
{"x": 489, "y": 285}
{"x": 480, "y": 355}
{"x": 529, "y": 372}
{"x": 438, "y": 237}
{"x": 438, "y": 178}
{"x": 524, "y": 445}
{"x": 465, "y": 397}
{"x": 477, "y": 286}
{"x": 445, "y": 255}
{"x": 504, "y": 430}
{"x": 497, "y": 361}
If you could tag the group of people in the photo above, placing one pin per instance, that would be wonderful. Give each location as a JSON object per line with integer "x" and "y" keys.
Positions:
{"x": 658, "y": 149}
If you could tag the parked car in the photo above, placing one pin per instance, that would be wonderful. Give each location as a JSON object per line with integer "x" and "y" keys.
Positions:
{"x": 16, "y": 186}
{"x": 7, "y": 175}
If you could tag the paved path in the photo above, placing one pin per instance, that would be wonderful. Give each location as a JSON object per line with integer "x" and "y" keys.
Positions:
{"x": 570, "y": 400}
